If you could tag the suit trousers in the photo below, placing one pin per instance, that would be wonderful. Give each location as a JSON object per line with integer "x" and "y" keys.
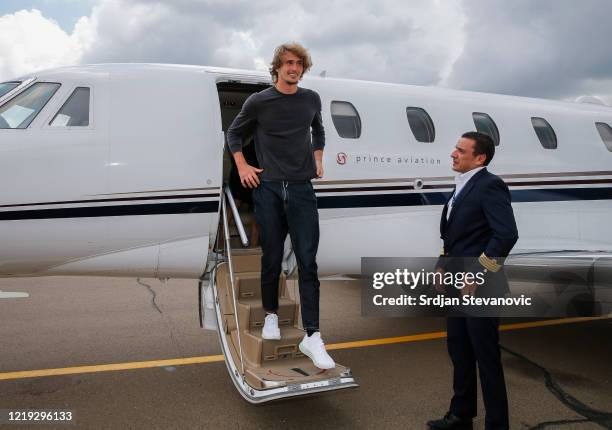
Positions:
{"x": 474, "y": 341}
{"x": 289, "y": 207}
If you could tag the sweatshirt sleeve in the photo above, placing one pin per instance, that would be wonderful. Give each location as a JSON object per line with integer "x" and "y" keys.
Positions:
{"x": 318, "y": 132}
{"x": 243, "y": 125}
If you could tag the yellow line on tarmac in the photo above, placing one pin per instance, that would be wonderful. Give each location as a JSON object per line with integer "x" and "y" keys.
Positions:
{"x": 442, "y": 334}
{"x": 109, "y": 367}
{"x": 216, "y": 358}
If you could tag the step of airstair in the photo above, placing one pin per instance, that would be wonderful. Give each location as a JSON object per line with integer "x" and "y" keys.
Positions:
{"x": 257, "y": 351}
{"x": 269, "y": 369}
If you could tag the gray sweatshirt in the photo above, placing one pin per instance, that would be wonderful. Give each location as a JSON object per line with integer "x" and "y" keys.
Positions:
{"x": 281, "y": 124}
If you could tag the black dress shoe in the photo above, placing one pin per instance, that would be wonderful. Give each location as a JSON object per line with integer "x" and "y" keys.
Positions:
{"x": 450, "y": 422}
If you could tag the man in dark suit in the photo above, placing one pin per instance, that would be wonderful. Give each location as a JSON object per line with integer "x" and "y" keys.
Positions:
{"x": 477, "y": 223}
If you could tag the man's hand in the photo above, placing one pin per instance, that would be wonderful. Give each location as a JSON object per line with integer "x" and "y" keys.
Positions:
{"x": 318, "y": 154}
{"x": 247, "y": 173}
{"x": 248, "y": 176}
{"x": 319, "y": 169}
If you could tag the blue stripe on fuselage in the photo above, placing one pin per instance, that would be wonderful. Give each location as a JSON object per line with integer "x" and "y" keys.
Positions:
{"x": 324, "y": 202}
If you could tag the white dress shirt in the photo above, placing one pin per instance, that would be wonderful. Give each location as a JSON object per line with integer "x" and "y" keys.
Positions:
{"x": 460, "y": 181}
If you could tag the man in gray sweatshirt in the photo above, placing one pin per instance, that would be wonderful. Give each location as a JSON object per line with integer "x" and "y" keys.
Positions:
{"x": 289, "y": 139}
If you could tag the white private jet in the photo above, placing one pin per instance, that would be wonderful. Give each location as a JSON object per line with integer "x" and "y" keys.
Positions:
{"x": 119, "y": 170}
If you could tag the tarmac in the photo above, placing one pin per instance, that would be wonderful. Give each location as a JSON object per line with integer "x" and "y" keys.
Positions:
{"x": 124, "y": 353}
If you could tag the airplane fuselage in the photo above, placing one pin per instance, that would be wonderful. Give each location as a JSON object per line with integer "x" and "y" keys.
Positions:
{"x": 136, "y": 191}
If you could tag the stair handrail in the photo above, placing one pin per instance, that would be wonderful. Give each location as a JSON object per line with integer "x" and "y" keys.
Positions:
{"x": 228, "y": 251}
{"x": 237, "y": 220}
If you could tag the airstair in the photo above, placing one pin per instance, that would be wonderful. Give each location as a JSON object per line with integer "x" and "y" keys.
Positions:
{"x": 262, "y": 370}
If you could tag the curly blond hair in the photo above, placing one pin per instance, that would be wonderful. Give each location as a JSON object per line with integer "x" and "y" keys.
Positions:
{"x": 296, "y": 49}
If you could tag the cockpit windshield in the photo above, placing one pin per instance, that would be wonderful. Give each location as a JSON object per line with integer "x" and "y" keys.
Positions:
{"x": 21, "y": 110}
{"x": 5, "y": 87}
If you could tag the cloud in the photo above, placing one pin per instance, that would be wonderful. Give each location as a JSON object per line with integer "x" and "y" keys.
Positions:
{"x": 205, "y": 33}
{"x": 408, "y": 42}
{"x": 548, "y": 48}
{"x": 31, "y": 42}
{"x": 394, "y": 41}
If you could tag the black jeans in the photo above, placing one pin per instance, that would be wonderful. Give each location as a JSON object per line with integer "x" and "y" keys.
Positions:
{"x": 281, "y": 208}
{"x": 474, "y": 341}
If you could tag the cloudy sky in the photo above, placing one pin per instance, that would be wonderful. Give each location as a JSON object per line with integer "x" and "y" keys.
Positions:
{"x": 543, "y": 48}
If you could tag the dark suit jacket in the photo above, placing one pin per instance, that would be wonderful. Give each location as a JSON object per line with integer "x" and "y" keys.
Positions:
{"x": 481, "y": 221}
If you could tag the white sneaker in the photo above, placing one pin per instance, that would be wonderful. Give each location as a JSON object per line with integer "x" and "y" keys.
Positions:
{"x": 314, "y": 348}
{"x": 270, "y": 329}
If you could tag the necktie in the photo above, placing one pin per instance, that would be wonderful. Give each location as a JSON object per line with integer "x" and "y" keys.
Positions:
{"x": 452, "y": 204}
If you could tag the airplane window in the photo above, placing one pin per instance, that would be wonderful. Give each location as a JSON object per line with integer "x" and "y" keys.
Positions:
{"x": 605, "y": 132}
{"x": 21, "y": 110}
{"x": 75, "y": 112}
{"x": 421, "y": 124}
{"x": 545, "y": 132}
{"x": 5, "y": 87}
{"x": 485, "y": 124}
{"x": 346, "y": 120}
